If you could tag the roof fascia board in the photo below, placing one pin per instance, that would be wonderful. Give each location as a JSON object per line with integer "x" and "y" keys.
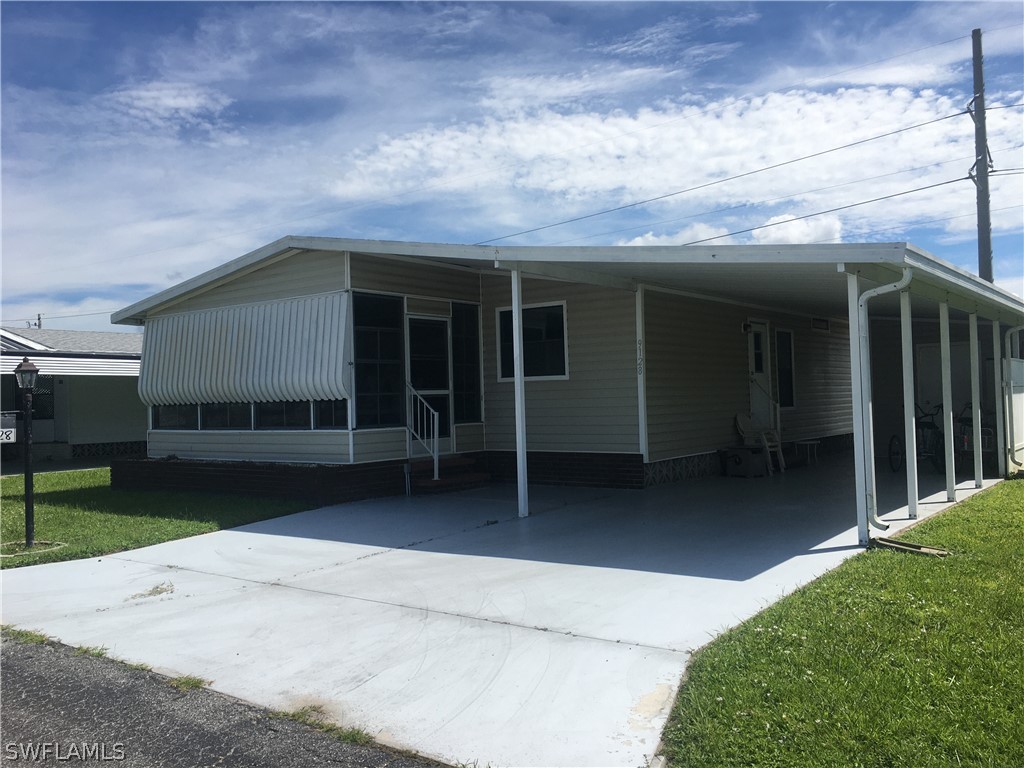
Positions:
{"x": 568, "y": 274}
{"x": 888, "y": 253}
{"x": 970, "y": 288}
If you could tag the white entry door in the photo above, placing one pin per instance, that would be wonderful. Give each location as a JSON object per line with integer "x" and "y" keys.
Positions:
{"x": 762, "y": 409}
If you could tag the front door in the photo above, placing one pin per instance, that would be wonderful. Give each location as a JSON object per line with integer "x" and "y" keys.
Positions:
{"x": 430, "y": 372}
{"x": 762, "y": 410}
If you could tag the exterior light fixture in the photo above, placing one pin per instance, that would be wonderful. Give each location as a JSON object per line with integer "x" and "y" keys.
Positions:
{"x": 26, "y": 374}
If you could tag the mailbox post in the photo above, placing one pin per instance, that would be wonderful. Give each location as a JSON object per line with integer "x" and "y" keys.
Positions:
{"x": 26, "y": 374}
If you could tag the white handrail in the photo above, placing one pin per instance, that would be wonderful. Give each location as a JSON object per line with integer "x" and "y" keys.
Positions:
{"x": 420, "y": 413}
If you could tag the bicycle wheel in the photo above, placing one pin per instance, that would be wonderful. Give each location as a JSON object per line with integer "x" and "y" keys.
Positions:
{"x": 896, "y": 453}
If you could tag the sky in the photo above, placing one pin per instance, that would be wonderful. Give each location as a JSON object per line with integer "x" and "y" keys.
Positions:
{"x": 144, "y": 143}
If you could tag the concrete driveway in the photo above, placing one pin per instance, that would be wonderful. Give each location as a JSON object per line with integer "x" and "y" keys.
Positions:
{"x": 448, "y": 626}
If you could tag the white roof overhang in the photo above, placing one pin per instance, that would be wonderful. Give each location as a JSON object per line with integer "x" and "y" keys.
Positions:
{"x": 801, "y": 279}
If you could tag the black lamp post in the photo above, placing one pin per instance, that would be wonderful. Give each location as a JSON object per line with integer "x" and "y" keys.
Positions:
{"x": 26, "y": 374}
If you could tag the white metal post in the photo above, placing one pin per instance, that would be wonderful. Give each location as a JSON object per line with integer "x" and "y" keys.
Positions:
{"x": 520, "y": 391}
{"x": 975, "y": 398}
{"x": 997, "y": 379}
{"x": 852, "y": 298}
{"x": 947, "y": 400}
{"x": 641, "y": 374}
{"x": 909, "y": 409}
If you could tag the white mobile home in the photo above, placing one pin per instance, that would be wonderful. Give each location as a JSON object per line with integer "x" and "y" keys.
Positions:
{"x": 86, "y": 401}
{"x": 619, "y": 366}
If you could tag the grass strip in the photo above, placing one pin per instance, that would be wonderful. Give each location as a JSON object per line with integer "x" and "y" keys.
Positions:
{"x": 893, "y": 659}
{"x": 81, "y": 510}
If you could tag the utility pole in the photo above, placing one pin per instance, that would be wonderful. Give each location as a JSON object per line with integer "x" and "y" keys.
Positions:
{"x": 982, "y": 162}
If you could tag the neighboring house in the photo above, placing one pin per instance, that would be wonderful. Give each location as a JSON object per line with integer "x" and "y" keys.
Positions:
{"x": 635, "y": 361}
{"x": 86, "y": 401}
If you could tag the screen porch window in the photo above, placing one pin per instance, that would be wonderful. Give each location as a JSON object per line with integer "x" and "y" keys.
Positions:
{"x": 545, "y": 354}
{"x": 175, "y": 417}
{"x": 379, "y": 359}
{"x": 226, "y": 415}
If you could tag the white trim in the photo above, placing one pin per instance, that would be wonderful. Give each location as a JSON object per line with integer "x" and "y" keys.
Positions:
{"x": 947, "y": 400}
{"x": 975, "y": 399}
{"x": 997, "y": 379}
{"x": 909, "y": 401}
{"x": 565, "y": 339}
{"x": 520, "y": 393}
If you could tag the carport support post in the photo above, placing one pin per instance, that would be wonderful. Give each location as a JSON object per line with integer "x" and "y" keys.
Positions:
{"x": 853, "y": 311}
{"x": 909, "y": 409}
{"x": 975, "y": 398}
{"x": 997, "y": 379}
{"x": 520, "y": 391}
{"x": 947, "y": 400}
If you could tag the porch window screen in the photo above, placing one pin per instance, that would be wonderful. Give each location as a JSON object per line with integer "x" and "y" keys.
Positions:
{"x": 276, "y": 351}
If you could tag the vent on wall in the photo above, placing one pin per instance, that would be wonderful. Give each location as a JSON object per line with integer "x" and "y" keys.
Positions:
{"x": 822, "y": 324}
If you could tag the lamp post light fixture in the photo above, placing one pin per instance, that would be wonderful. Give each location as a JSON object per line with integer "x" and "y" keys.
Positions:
{"x": 26, "y": 374}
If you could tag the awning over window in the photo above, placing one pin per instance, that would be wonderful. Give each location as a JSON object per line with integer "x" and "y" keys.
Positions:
{"x": 275, "y": 351}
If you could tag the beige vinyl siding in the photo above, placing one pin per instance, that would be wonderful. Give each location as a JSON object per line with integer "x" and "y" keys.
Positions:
{"x": 372, "y": 273}
{"x": 469, "y": 438}
{"x": 697, "y": 375}
{"x": 303, "y": 274}
{"x": 414, "y": 306}
{"x": 103, "y": 409}
{"x": 824, "y": 394}
{"x": 379, "y": 444}
{"x": 315, "y": 446}
{"x": 595, "y": 409}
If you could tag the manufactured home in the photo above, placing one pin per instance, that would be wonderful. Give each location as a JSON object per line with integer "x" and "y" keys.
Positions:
{"x": 612, "y": 366}
{"x": 86, "y": 401}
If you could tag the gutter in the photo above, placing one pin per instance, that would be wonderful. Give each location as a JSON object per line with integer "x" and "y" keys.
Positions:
{"x": 865, "y": 390}
{"x": 1011, "y": 442}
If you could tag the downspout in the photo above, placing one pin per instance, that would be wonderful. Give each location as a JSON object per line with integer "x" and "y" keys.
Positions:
{"x": 1011, "y": 442}
{"x": 867, "y": 426}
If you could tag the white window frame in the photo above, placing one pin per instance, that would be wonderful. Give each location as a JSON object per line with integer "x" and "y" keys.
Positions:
{"x": 565, "y": 339}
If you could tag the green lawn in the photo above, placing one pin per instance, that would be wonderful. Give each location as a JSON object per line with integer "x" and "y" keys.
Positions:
{"x": 82, "y": 511}
{"x": 891, "y": 660}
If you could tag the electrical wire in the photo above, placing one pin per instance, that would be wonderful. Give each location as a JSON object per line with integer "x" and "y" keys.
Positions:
{"x": 915, "y": 224}
{"x": 721, "y": 181}
{"x": 830, "y": 210}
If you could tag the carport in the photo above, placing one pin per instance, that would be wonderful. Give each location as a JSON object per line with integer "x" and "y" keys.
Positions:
{"x": 450, "y": 626}
{"x": 866, "y": 282}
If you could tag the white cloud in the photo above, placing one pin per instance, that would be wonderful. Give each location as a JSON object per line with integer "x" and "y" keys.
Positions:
{"x": 783, "y": 229}
{"x": 703, "y": 233}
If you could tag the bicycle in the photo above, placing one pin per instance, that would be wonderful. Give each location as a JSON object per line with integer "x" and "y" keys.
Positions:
{"x": 930, "y": 442}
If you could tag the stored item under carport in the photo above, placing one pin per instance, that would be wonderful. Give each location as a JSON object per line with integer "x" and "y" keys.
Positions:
{"x": 745, "y": 462}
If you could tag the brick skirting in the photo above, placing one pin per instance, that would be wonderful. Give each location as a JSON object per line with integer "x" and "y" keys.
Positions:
{"x": 598, "y": 470}
{"x": 316, "y": 483}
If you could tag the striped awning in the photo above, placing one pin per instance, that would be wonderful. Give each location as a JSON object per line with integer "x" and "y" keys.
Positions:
{"x": 50, "y": 364}
{"x": 289, "y": 350}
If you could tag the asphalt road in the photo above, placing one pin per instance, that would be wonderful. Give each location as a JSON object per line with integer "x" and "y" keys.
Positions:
{"x": 58, "y": 707}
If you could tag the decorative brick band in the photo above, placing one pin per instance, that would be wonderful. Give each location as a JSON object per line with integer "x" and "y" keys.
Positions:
{"x": 598, "y": 470}
{"x": 682, "y": 468}
{"x": 316, "y": 483}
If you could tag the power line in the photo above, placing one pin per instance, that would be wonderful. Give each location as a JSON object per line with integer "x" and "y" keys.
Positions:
{"x": 777, "y": 199}
{"x": 61, "y": 317}
{"x": 830, "y": 210}
{"x": 721, "y": 181}
{"x": 916, "y": 224}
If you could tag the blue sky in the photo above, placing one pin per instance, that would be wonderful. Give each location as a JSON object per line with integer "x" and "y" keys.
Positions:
{"x": 146, "y": 142}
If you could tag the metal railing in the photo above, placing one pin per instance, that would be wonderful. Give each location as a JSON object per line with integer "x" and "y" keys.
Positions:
{"x": 422, "y": 423}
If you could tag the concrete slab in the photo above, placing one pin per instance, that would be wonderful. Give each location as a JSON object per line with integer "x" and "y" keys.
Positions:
{"x": 449, "y": 626}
